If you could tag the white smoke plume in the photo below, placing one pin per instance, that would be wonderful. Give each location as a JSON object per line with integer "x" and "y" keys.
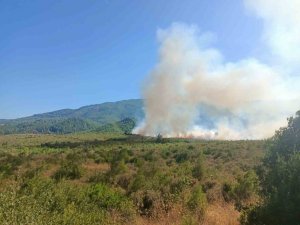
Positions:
{"x": 281, "y": 27}
{"x": 248, "y": 99}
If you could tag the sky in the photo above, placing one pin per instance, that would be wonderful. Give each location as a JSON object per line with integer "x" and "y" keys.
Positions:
{"x": 57, "y": 54}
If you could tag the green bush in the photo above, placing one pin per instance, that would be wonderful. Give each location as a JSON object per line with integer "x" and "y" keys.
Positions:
{"x": 41, "y": 201}
{"x": 110, "y": 199}
{"x": 243, "y": 193}
{"x": 189, "y": 220}
{"x": 148, "y": 202}
{"x": 9, "y": 163}
{"x": 117, "y": 167}
{"x": 197, "y": 201}
{"x": 159, "y": 138}
{"x": 227, "y": 191}
{"x": 98, "y": 178}
{"x": 68, "y": 170}
{"x": 247, "y": 186}
{"x": 199, "y": 168}
{"x": 280, "y": 180}
{"x": 181, "y": 157}
{"x": 137, "y": 183}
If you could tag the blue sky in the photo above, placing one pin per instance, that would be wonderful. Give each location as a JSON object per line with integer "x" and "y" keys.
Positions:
{"x": 58, "y": 54}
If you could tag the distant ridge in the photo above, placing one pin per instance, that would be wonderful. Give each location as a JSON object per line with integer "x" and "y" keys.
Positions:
{"x": 91, "y": 117}
{"x": 120, "y": 116}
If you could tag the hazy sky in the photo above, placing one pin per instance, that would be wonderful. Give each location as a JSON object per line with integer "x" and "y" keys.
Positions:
{"x": 58, "y": 54}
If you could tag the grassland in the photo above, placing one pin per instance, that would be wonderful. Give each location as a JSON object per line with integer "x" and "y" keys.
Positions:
{"x": 106, "y": 178}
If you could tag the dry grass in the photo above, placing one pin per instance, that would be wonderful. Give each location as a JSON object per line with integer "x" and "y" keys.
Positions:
{"x": 51, "y": 171}
{"x": 173, "y": 217}
{"x": 91, "y": 166}
{"x": 221, "y": 214}
{"x": 216, "y": 214}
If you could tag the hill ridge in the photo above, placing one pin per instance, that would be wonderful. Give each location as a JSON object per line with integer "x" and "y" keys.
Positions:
{"x": 84, "y": 118}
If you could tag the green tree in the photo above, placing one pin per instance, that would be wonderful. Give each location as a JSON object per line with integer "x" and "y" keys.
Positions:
{"x": 280, "y": 180}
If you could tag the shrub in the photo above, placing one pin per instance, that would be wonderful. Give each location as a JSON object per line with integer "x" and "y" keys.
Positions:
{"x": 189, "y": 220}
{"x": 117, "y": 167}
{"x": 68, "y": 170}
{"x": 149, "y": 156}
{"x": 137, "y": 183}
{"x": 181, "y": 157}
{"x": 98, "y": 178}
{"x": 110, "y": 199}
{"x": 99, "y": 160}
{"x": 227, "y": 191}
{"x": 159, "y": 138}
{"x": 280, "y": 180}
{"x": 148, "y": 202}
{"x": 74, "y": 157}
{"x": 105, "y": 197}
{"x": 179, "y": 184}
{"x": 247, "y": 186}
{"x": 43, "y": 202}
{"x": 199, "y": 169}
{"x": 9, "y": 163}
{"x": 197, "y": 201}
{"x": 244, "y": 192}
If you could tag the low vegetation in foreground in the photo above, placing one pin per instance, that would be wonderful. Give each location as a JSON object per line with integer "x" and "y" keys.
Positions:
{"x": 105, "y": 178}
{"x": 102, "y": 178}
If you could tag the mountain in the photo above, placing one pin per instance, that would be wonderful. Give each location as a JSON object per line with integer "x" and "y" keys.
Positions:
{"x": 118, "y": 116}
{"x": 109, "y": 116}
{"x": 3, "y": 121}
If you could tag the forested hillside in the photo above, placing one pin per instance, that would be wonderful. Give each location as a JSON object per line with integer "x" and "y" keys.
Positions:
{"x": 104, "y": 117}
{"x": 107, "y": 117}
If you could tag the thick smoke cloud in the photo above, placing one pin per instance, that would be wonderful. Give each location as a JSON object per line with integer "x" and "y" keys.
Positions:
{"x": 248, "y": 99}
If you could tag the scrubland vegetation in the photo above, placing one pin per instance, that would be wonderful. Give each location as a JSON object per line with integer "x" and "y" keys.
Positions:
{"x": 105, "y": 178}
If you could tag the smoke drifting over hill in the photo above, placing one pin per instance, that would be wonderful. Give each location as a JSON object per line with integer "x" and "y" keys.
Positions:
{"x": 257, "y": 95}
